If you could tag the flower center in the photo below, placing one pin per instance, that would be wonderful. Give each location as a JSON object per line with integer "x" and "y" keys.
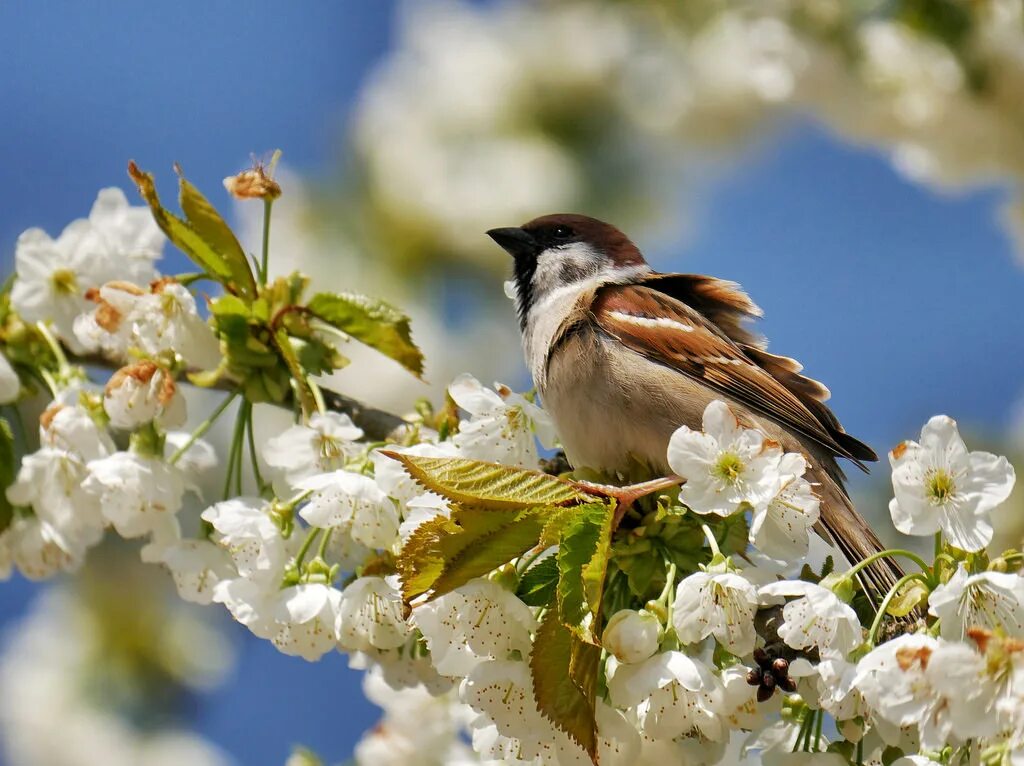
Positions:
{"x": 64, "y": 282}
{"x": 330, "y": 449}
{"x": 729, "y": 467}
{"x": 940, "y": 487}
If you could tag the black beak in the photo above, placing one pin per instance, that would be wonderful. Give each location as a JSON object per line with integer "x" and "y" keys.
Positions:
{"x": 516, "y": 242}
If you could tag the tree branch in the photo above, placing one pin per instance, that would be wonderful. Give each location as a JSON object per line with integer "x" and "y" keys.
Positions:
{"x": 378, "y": 425}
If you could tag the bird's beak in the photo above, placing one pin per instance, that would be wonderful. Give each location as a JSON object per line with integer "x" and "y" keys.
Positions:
{"x": 516, "y": 242}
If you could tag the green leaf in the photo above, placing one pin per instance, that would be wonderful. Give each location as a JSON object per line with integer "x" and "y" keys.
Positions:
{"x": 583, "y": 555}
{"x": 213, "y": 230}
{"x": 565, "y": 671}
{"x": 444, "y": 553}
{"x": 538, "y": 583}
{"x": 732, "y": 533}
{"x": 488, "y": 485}
{"x": 8, "y": 470}
{"x": 185, "y": 236}
{"x": 489, "y": 552}
{"x": 373, "y": 322}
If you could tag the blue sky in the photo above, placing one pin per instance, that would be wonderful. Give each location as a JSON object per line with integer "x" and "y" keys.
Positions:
{"x": 902, "y": 300}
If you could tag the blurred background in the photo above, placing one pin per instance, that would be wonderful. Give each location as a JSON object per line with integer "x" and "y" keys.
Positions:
{"x": 857, "y": 166}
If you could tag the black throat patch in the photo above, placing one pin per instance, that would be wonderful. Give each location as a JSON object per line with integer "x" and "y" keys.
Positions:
{"x": 524, "y": 269}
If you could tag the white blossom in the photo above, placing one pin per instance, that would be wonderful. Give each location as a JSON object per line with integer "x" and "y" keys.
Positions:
{"x": 992, "y": 600}
{"x": 324, "y": 445}
{"x": 141, "y": 393}
{"x": 307, "y": 620}
{"x": 781, "y": 529}
{"x": 370, "y": 616}
{"x": 501, "y": 426}
{"x": 938, "y": 686}
{"x": 195, "y": 565}
{"x": 816, "y": 618}
{"x": 721, "y": 604}
{"x": 740, "y": 707}
{"x": 673, "y": 694}
{"x": 73, "y": 430}
{"x": 37, "y": 550}
{"x": 353, "y": 504}
{"x": 478, "y": 621}
{"x": 246, "y": 530}
{"x": 726, "y": 466}
{"x": 940, "y": 486}
{"x": 631, "y": 636}
{"x": 134, "y": 491}
{"x": 116, "y": 242}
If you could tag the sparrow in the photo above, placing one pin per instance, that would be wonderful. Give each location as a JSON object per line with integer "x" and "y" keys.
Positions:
{"x": 622, "y": 356}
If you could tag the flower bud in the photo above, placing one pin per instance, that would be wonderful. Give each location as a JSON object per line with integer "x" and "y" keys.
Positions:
{"x": 632, "y": 636}
{"x": 253, "y": 184}
{"x": 141, "y": 393}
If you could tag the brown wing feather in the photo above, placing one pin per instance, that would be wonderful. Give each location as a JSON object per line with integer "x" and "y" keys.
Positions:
{"x": 668, "y": 331}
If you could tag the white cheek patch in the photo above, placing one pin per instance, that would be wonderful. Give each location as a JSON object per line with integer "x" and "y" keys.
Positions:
{"x": 663, "y": 323}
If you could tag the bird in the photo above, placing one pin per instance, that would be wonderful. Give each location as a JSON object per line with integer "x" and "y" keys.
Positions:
{"x": 622, "y": 356}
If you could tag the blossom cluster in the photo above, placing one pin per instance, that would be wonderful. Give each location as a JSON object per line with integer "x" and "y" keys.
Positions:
{"x": 706, "y": 623}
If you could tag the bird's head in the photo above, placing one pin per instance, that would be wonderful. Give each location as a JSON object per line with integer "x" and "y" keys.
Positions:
{"x": 568, "y": 251}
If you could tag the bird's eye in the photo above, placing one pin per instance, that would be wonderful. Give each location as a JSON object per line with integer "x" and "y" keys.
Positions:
{"x": 562, "y": 232}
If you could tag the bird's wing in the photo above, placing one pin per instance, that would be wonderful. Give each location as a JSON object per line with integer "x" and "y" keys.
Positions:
{"x": 679, "y": 336}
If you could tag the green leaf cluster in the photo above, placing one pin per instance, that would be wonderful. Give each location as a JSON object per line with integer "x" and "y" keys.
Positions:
{"x": 498, "y": 514}
{"x": 272, "y": 338}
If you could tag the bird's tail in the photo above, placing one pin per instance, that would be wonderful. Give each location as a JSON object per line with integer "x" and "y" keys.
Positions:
{"x": 847, "y": 530}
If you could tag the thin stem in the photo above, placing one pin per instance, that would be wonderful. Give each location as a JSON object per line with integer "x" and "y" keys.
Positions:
{"x": 55, "y": 347}
{"x": 860, "y": 752}
{"x": 712, "y": 541}
{"x": 202, "y": 428}
{"x": 877, "y": 623}
{"x": 892, "y": 552}
{"x": 817, "y": 731}
{"x": 318, "y": 396}
{"x": 265, "y": 259}
{"x": 322, "y": 549}
{"x": 938, "y": 543}
{"x": 252, "y": 450}
{"x": 234, "y": 455}
{"x": 306, "y": 545}
{"x": 526, "y": 561}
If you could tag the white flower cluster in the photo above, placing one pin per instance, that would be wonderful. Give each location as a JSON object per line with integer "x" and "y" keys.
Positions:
{"x": 467, "y": 102}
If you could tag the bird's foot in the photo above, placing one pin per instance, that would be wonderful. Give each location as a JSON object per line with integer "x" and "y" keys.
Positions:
{"x": 626, "y": 496}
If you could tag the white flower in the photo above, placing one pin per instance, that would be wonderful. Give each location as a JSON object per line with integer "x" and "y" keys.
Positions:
{"x": 501, "y": 425}
{"x": 198, "y": 458}
{"x": 780, "y": 530}
{"x": 353, "y": 504}
{"x": 307, "y": 619}
{"x": 117, "y": 242}
{"x": 816, "y": 618}
{"x": 631, "y": 636}
{"x": 370, "y": 616}
{"x": 392, "y": 477}
{"x": 195, "y": 565}
{"x": 141, "y": 393}
{"x": 673, "y": 695}
{"x": 993, "y": 600}
{"x": 938, "y": 686}
{"x": 164, "y": 319}
{"x": 73, "y": 430}
{"x": 939, "y": 485}
{"x": 478, "y": 621}
{"x": 740, "y": 708}
{"x": 10, "y": 385}
{"x": 36, "y": 550}
{"x": 244, "y": 527}
{"x": 509, "y": 728}
{"x": 720, "y": 604}
{"x": 50, "y": 482}
{"x": 135, "y": 491}
{"x": 324, "y": 445}
{"x": 725, "y": 467}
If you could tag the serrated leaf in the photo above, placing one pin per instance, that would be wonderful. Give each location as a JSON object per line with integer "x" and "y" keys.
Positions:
{"x": 444, "y": 553}
{"x": 583, "y": 554}
{"x": 475, "y": 483}
{"x": 537, "y": 585}
{"x": 488, "y": 552}
{"x": 371, "y": 321}
{"x": 182, "y": 234}
{"x": 565, "y": 671}
{"x": 8, "y": 470}
{"x": 213, "y": 229}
